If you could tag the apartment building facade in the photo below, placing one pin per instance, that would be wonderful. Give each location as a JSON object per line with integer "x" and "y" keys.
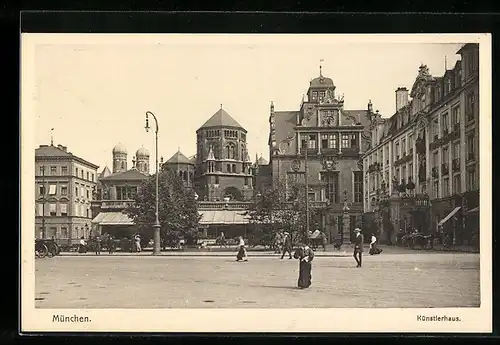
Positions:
{"x": 64, "y": 185}
{"x": 421, "y": 170}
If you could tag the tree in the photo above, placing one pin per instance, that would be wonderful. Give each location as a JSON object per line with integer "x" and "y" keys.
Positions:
{"x": 177, "y": 210}
{"x": 280, "y": 208}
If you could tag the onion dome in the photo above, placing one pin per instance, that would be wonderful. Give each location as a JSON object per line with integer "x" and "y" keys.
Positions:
{"x": 142, "y": 152}
{"x": 120, "y": 148}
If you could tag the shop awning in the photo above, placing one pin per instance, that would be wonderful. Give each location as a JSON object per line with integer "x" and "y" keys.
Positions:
{"x": 223, "y": 217}
{"x": 112, "y": 218}
{"x": 451, "y": 214}
{"x": 475, "y": 209}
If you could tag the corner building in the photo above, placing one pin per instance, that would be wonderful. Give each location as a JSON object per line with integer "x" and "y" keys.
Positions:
{"x": 335, "y": 139}
{"x": 64, "y": 187}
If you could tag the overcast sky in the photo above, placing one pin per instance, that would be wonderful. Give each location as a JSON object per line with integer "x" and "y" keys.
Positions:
{"x": 96, "y": 95}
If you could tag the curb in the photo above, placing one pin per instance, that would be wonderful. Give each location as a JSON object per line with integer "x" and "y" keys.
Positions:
{"x": 191, "y": 255}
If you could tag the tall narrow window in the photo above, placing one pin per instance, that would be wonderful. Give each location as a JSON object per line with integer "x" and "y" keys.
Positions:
{"x": 456, "y": 184}
{"x": 53, "y": 171}
{"x": 330, "y": 181}
{"x": 445, "y": 123}
{"x": 345, "y": 140}
{"x": 312, "y": 141}
{"x": 324, "y": 141}
{"x": 53, "y": 209}
{"x": 470, "y": 106}
{"x": 403, "y": 147}
{"x": 470, "y": 147}
{"x": 358, "y": 186}
{"x": 332, "y": 141}
{"x": 64, "y": 171}
{"x": 471, "y": 179}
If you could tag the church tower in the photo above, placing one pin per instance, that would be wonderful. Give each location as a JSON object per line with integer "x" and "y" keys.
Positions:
{"x": 119, "y": 158}
{"x": 142, "y": 160}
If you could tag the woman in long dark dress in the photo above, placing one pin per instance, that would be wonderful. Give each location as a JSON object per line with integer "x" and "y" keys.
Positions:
{"x": 305, "y": 255}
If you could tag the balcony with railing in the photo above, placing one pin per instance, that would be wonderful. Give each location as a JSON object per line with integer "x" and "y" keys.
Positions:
{"x": 224, "y": 205}
{"x": 115, "y": 204}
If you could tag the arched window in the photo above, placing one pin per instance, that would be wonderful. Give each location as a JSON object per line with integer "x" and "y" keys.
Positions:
{"x": 231, "y": 151}
{"x": 123, "y": 165}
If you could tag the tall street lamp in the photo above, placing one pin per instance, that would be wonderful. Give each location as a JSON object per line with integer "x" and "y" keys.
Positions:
{"x": 156, "y": 226}
{"x": 306, "y": 182}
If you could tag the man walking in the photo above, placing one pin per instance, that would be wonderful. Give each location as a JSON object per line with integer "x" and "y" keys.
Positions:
{"x": 98, "y": 245}
{"x": 287, "y": 246}
{"x": 358, "y": 247}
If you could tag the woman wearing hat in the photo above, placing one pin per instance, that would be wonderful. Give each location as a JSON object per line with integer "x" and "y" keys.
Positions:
{"x": 358, "y": 246}
{"x": 305, "y": 255}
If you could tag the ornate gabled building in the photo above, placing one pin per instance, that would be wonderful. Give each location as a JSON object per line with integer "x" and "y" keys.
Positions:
{"x": 334, "y": 139}
{"x": 421, "y": 171}
{"x": 222, "y": 162}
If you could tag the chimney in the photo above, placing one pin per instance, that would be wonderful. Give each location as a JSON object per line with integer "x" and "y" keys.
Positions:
{"x": 401, "y": 98}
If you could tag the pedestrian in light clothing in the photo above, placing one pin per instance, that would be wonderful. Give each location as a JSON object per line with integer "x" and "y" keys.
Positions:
{"x": 358, "y": 247}
{"x": 242, "y": 253}
{"x": 287, "y": 246}
{"x": 137, "y": 239}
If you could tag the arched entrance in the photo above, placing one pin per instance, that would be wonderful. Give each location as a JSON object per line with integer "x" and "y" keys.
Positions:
{"x": 233, "y": 193}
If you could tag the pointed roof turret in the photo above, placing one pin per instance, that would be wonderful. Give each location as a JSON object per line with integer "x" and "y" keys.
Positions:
{"x": 221, "y": 119}
{"x": 178, "y": 158}
{"x": 210, "y": 156}
{"x": 247, "y": 157}
{"x": 105, "y": 172}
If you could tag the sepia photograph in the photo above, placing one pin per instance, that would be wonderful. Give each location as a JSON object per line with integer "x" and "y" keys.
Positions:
{"x": 226, "y": 182}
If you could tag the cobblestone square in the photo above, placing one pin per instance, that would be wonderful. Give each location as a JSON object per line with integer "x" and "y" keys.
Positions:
{"x": 437, "y": 280}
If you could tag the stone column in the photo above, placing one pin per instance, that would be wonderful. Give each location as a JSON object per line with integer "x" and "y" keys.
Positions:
{"x": 340, "y": 140}
{"x": 112, "y": 193}
{"x": 299, "y": 143}
{"x": 463, "y": 145}
{"x": 360, "y": 148}
{"x": 319, "y": 141}
{"x": 389, "y": 183}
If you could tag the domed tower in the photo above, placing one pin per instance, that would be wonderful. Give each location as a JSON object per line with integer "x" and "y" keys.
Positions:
{"x": 142, "y": 160}
{"x": 119, "y": 158}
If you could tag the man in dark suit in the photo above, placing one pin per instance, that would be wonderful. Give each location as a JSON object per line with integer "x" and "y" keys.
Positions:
{"x": 287, "y": 246}
{"x": 358, "y": 246}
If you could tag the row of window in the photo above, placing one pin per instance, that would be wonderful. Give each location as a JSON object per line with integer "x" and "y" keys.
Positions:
{"x": 63, "y": 171}
{"x": 230, "y": 151}
{"x": 470, "y": 146}
{"x": 331, "y": 183}
{"x": 63, "y": 233}
{"x": 451, "y": 124}
{"x": 470, "y": 184}
{"x": 80, "y": 191}
{"x": 331, "y": 141}
{"x": 215, "y": 133}
{"x": 61, "y": 209}
{"x": 318, "y": 96}
{"x": 125, "y": 192}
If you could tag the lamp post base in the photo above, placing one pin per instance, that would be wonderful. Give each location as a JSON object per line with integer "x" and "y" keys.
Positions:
{"x": 157, "y": 240}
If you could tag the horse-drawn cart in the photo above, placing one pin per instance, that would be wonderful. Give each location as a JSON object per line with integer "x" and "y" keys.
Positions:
{"x": 46, "y": 248}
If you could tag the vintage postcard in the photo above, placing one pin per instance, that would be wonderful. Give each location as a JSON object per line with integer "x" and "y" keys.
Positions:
{"x": 256, "y": 183}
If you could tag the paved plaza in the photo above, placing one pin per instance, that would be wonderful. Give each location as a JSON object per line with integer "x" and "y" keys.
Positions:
{"x": 391, "y": 280}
